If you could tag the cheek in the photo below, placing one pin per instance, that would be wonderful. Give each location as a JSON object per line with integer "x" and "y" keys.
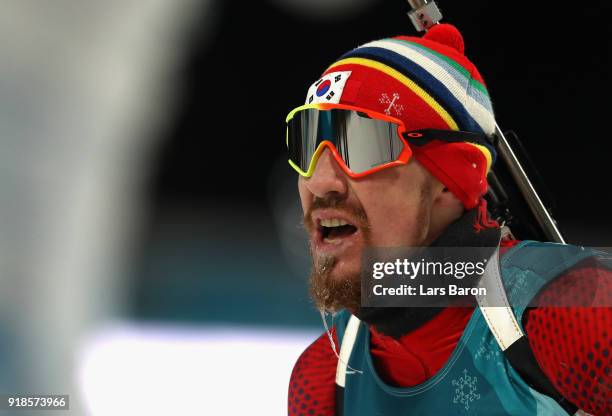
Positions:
{"x": 305, "y": 195}
{"x": 397, "y": 217}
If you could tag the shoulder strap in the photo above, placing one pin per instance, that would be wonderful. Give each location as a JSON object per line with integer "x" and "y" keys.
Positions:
{"x": 502, "y": 322}
{"x": 346, "y": 348}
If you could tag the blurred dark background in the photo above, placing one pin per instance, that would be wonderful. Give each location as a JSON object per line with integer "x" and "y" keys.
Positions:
{"x": 221, "y": 165}
{"x": 150, "y": 223}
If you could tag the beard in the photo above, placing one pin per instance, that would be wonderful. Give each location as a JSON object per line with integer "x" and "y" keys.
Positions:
{"x": 331, "y": 293}
{"x": 328, "y": 292}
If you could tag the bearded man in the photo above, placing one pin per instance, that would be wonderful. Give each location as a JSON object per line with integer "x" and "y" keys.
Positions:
{"x": 393, "y": 149}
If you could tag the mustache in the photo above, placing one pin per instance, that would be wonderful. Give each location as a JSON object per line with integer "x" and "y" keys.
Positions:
{"x": 355, "y": 212}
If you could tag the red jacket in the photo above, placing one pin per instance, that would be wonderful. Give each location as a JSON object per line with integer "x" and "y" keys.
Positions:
{"x": 572, "y": 345}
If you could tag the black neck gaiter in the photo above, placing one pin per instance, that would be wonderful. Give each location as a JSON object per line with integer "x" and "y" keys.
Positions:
{"x": 398, "y": 321}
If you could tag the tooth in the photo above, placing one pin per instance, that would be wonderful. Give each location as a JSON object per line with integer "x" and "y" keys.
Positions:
{"x": 333, "y": 222}
{"x": 332, "y": 241}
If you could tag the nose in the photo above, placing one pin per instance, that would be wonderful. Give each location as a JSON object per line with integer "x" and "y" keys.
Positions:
{"x": 328, "y": 177}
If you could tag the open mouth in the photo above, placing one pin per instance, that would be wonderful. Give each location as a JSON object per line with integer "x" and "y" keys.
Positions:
{"x": 333, "y": 230}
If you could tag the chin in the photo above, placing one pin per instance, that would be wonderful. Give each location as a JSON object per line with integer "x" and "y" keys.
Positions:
{"x": 346, "y": 271}
{"x": 336, "y": 288}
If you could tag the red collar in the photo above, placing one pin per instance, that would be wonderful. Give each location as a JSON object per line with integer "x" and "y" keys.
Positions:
{"x": 418, "y": 355}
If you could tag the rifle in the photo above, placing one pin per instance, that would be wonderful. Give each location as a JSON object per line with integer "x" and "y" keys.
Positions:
{"x": 512, "y": 197}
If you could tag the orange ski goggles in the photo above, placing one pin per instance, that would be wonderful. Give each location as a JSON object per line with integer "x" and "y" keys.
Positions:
{"x": 362, "y": 141}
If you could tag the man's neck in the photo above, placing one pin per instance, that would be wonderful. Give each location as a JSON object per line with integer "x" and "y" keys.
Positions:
{"x": 398, "y": 321}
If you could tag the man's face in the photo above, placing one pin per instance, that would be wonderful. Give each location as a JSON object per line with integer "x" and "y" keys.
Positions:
{"x": 389, "y": 208}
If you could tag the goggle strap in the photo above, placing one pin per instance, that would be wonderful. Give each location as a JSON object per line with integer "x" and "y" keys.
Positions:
{"x": 424, "y": 136}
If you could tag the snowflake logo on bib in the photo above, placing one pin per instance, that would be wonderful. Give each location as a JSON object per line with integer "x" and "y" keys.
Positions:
{"x": 519, "y": 286}
{"x": 465, "y": 391}
{"x": 488, "y": 350}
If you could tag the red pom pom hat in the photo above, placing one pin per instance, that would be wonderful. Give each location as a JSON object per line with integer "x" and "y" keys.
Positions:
{"x": 427, "y": 83}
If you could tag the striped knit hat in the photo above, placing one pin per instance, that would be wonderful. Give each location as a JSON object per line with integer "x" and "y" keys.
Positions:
{"x": 428, "y": 83}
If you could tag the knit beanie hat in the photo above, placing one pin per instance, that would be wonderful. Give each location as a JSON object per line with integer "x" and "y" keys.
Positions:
{"x": 427, "y": 83}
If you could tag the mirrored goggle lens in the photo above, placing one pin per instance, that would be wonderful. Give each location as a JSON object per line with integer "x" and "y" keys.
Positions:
{"x": 362, "y": 142}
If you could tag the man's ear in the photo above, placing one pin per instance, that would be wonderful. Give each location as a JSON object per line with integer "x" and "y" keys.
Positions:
{"x": 445, "y": 209}
{"x": 447, "y": 202}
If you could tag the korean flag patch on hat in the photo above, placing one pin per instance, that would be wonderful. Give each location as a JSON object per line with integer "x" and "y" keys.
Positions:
{"x": 328, "y": 89}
